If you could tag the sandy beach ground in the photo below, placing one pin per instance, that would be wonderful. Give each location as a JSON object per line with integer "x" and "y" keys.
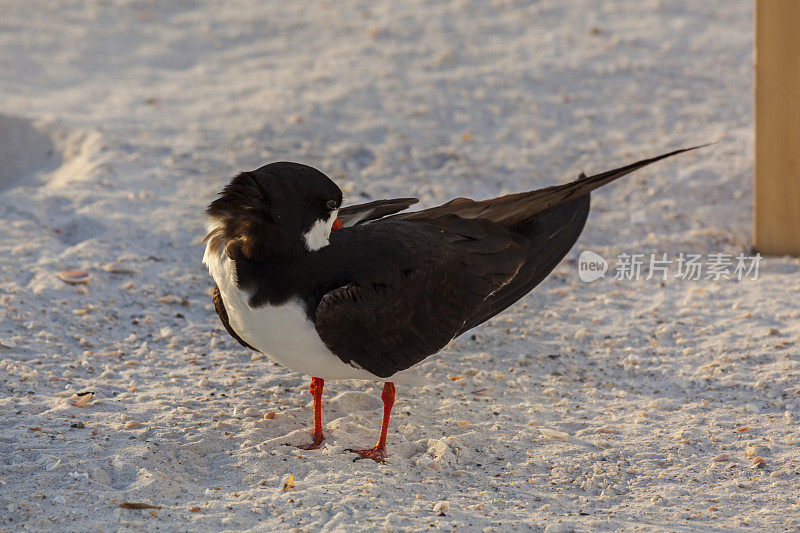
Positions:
{"x": 612, "y": 405}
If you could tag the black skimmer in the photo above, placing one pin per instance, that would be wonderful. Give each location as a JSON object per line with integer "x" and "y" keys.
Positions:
{"x": 385, "y": 289}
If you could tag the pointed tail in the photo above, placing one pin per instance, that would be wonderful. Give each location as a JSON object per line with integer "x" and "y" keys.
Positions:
{"x": 563, "y": 193}
{"x": 517, "y": 208}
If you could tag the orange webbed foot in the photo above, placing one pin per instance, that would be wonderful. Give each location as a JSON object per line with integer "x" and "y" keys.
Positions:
{"x": 315, "y": 444}
{"x": 376, "y": 454}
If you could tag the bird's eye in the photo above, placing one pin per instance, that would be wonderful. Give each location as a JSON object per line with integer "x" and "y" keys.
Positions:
{"x": 331, "y": 205}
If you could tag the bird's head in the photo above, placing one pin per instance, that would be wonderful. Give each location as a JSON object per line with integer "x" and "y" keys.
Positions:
{"x": 275, "y": 212}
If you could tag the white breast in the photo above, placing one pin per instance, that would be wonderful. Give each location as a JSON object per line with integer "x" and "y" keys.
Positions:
{"x": 284, "y": 333}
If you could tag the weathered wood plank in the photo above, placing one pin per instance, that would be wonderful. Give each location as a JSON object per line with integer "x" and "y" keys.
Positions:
{"x": 777, "y": 127}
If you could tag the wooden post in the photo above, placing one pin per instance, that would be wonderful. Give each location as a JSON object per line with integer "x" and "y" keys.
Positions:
{"x": 776, "y": 202}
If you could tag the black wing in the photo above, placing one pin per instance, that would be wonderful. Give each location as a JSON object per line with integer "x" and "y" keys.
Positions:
{"x": 416, "y": 285}
{"x": 450, "y": 284}
{"x": 546, "y": 222}
{"x": 549, "y": 237}
{"x": 357, "y": 214}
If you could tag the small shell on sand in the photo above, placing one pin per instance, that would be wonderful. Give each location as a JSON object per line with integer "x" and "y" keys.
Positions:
{"x": 662, "y": 404}
{"x": 172, "y": 300}
{"x": 269, "y": 415}
{"x": 130, "y": 424}
{"x": 553, "y": 434}
{"x": 119, "y": 267}
{"x": 756, "y": 450}
{"x": 80, "y": 399}
{"x": 74, "y": 277}
{"x": 252, "y": 411}
{"x": 759, "y": 462}
{"x": 721, "y": 458}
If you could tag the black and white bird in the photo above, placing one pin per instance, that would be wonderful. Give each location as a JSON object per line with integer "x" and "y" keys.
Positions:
{"x": 367, "y": 292}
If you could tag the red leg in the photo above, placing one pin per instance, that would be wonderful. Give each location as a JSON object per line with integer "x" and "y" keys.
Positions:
{"x": 316, "y": 392}
{"x": 378, "y": 452}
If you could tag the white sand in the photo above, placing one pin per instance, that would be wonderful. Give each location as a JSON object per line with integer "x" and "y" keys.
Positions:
{"x": 121, "y": 120}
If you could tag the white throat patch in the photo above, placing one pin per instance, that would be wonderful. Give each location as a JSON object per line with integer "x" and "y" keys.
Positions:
{"x": 317, "y": 237}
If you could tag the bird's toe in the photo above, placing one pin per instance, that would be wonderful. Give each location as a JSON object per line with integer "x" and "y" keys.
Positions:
{"x": 376, "y": 454}
{"x": 316, "y": 443}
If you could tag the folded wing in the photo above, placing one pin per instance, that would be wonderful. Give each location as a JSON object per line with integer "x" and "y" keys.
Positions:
{"x": 423, "y": 282}
{"x": 465, "y": 261}
{"x": 547, "y": 239}
{"x": 546, "y": 223}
